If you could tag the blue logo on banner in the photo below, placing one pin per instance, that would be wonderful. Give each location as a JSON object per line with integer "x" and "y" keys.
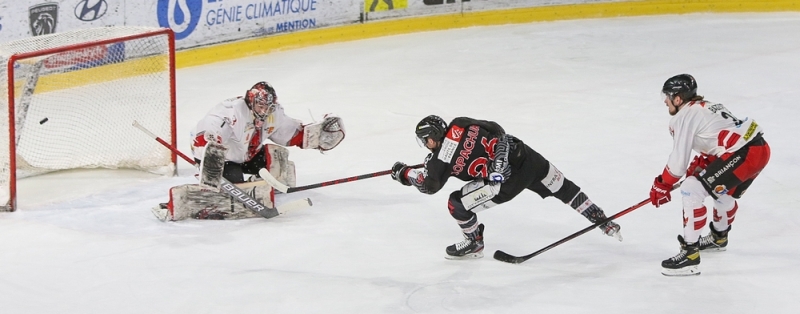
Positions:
{"x": 181, "y": 16}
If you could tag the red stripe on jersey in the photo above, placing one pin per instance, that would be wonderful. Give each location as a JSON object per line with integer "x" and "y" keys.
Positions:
{"x": 721, "y": 137}
{"x": 732, "y": 140}
{"x": 255, "y": 142}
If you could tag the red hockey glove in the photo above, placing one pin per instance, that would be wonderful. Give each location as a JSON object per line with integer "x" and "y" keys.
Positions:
{"x": 400, "y": 173}
{"x": 660, "y": 192}
{"x": 698, "y": 164}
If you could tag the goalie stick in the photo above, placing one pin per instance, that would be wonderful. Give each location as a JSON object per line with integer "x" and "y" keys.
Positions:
{"x": 286, "y": 189}
{"x": 225, "y": 185}
{"x": 508, "y": 258}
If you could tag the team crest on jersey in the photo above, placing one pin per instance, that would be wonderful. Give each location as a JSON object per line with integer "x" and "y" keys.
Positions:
{"x": 450, "y": 143}
{"x": 720, "y": 189}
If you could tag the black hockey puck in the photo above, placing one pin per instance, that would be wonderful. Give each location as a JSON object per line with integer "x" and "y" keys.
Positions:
{"x": 43, "y": 121}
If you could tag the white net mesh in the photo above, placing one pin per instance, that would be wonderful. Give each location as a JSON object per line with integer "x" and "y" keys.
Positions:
{"x": 75, "y": 102}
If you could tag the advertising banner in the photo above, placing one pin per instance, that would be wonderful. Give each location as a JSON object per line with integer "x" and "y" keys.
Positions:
{"x": 199, "y": 22}
{"x": 195, "y": 22}
{"x": 25, "y": 18}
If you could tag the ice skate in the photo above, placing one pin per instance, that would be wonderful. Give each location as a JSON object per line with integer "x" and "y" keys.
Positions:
{"x": 611, "y": 229}
{"x": 715, "y": 241}
{"x": 686, "y": 263}
{"x": 470, "y": 248}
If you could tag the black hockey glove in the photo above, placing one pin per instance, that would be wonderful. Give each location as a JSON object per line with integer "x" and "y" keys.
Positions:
{"x": 399, "y": 171}
{"x": 499, "y": 169}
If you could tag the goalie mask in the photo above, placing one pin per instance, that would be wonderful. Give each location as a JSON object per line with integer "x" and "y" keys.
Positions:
{"x": 261, "y": 100}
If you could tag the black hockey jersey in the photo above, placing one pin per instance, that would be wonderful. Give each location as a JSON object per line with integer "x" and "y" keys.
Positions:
{"x": 465, "y": 153}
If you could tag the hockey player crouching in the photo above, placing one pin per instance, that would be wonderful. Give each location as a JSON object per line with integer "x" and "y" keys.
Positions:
{"x": 229, "y": 142}
{"x": 499, "y": 166}
{"x": 732, "y": 154}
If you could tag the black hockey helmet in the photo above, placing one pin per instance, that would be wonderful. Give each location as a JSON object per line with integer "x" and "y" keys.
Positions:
{"x": 261, "y": 94}
{"x": 431, "y": 126}
{"x": 682, "y": 85}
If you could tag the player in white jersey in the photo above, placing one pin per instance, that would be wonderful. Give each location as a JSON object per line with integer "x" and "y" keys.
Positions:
{"x": 732, "y": 152}
{"x": 231, "y": 141}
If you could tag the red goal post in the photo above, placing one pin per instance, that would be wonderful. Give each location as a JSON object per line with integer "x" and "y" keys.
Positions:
{"x": 72, "y": 97}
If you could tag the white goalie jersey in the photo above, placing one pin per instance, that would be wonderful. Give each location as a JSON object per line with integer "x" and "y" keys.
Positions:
{"x": 706, "y": 128}
{"x": 231, "y": 124}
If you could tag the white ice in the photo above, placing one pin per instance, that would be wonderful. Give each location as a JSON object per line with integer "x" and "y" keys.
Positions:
{"x": 583, "y": 93}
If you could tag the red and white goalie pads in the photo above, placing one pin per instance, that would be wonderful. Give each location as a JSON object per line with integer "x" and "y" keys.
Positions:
{"x": 198, "y": 202}
{"x": 324, "y": 135}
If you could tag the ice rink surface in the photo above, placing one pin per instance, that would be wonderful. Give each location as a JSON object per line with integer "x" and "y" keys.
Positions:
{"x": 583, "y": 93}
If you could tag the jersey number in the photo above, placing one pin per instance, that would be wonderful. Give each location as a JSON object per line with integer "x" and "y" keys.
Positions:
{"x": 478, "y": 168}
{"x": 727, "y": 115}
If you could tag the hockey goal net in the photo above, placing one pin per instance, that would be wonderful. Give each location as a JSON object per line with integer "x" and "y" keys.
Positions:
{"x": 70, "y": 100}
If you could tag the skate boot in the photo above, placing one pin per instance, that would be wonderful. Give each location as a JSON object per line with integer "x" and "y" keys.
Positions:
{"x": 470, "y": 248}
{"x": 685, "y": 263}
{"x": 596, "y": 215}
{"x": 611, "y": 229}
{"x": 715, "y": 241}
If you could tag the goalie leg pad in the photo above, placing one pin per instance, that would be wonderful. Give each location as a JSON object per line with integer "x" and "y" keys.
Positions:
{"x": 280, "y": 166}
{"x": 212, "y": 165}
{"x": 198, "y": 202}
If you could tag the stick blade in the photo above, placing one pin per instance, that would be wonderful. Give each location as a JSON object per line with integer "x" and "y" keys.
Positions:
{"x": 294, "y": 205}
{"x": 508, "y": 258}
{"x": 264, "y": 173}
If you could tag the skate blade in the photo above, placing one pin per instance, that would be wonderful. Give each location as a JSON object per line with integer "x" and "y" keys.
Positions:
{"x": 475, "y": 255}
{"x": 715, "y": 249}
{"x": 683, "y": 272}
{"x": 617, "y": 235}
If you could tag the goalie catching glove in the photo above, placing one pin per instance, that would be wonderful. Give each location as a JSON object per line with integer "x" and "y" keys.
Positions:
{"x": 324, "y": 135}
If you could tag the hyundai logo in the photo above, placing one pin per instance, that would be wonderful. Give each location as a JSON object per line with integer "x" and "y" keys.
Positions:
{"x": 90, "y": 10}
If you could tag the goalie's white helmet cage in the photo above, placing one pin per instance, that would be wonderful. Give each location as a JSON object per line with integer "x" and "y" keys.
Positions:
{"x": 72, "y": 97}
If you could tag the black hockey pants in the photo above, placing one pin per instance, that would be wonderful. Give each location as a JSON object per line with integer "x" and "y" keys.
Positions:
{"x": 528, "y": 170}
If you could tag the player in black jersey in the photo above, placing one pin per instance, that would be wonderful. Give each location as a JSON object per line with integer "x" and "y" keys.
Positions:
{"x": 497, "y": 165}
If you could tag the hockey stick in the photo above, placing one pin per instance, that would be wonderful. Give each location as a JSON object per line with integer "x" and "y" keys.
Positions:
{"x": 508, "y": 258}
{"x": 286, "y": 189}
{"x": 225, "y": 185}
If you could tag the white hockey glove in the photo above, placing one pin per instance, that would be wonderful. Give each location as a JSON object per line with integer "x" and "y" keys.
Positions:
{"x": 324, "y": 135}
